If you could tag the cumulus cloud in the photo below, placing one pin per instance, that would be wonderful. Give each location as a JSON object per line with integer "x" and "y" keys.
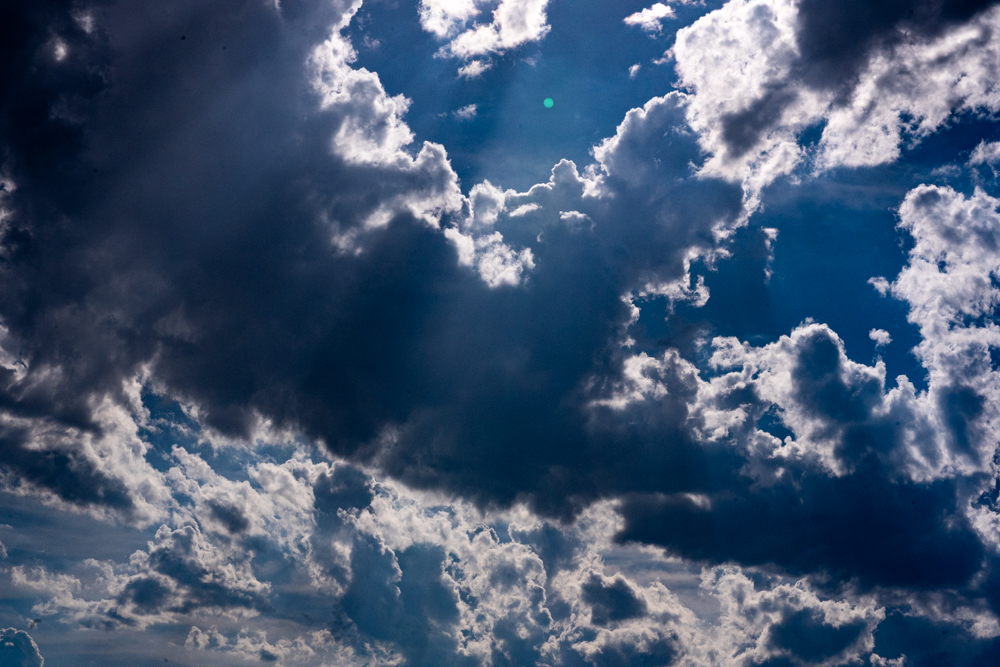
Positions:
{"x": 18, "y": 649}
{"x": 651, "y": 19}
{"x": 514, "y": 23}
{"x": 445, "y": 17}
{"x": 253, "y": 646}
{"x": 422, "y": 578}
{"x": 790, "y": 622}
{"x": 474, "y": 68}
{"x": 181, "y": 573}
{"x": 102, "y": 469}
{"x": 880, "y": 336}
{"x": 985, "y": 153}
{"x": 467, "y": 112}
{"x": 763, "y": 73}
{"x": 806, "y": 417}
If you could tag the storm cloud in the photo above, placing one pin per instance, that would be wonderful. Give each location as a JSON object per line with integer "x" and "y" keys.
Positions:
{"x": 334, "y": 404}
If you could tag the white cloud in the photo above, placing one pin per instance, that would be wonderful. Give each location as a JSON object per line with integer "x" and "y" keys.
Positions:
{"x": 445, "y": 17}
{"x": 573, "y": 593}
{"x": 576, "y": 220}
{"x": 985, "y": 153}
{"x": 182, "y": 572}
{"x": 651, "y": 19}
{"x": 115, "y": 481}
{"x": 755, "y": 624}
{"x": 314, "y": 648}
{"x": 228, "y": 534}
{"x": 474, "y": 68}
{"x": 741, "y": 63}
{"x": 372, "y": 133}
{"x": 633, "y": 71}
{"x": 496, "y": 262}
{"x": 949, "y": 285}
{"x": 880, "y": 336}
{"x": 643, "y": 378}
{"x": 514, "y": 23}
{"x": 466, "y": 113}
{"x": 524, "y": 209}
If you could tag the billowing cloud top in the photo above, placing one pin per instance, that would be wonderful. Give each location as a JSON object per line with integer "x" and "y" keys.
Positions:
{"x": 301, "y": 361}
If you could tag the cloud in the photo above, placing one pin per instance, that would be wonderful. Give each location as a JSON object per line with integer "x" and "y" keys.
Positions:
{"x": 790, "y": 622}
{"x": 612, "y": 602}
{"x": 253, "y": 646}
{"x": 764, "y": 73}
{"x": 328, "y": 279}
{"x": 843, "y": 433}
{"x": 428, "y": 579}
{"x": 880, "y": 336}
{"x": 651, "y": 18}
{"x": 446, "y": 17}
{"x": 497, "y": 263}
{"x": 98, "y": 467}
{"x": 265, "y": 249}
{"x": 467, "y": 112}
{"x": 181, "y": 573}
{"x": 514, "y": 23}
{"x": 473, "y": 69}
{"x": 985, "y": 153}
{"x": 73, "y": 428}
{"x": 18, "y": 649}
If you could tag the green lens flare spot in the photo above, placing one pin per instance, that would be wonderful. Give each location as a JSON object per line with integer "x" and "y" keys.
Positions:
{"x": 548, "y": 102}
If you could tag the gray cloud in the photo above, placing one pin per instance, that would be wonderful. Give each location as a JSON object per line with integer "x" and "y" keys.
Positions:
{"x": 18, "y": 649}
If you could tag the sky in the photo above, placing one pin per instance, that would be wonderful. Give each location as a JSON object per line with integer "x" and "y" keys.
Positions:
{"x": 507, "y": 333}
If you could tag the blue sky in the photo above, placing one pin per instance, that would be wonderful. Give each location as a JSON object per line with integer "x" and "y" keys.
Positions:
{"x": 324, "y": 342}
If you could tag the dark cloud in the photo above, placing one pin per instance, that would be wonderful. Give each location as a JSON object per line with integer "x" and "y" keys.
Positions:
{"x": 836, "y": 41}
{"x": 807, "y": 520}
{"x": 148, "y": 595}
{"x": 177, "y": 210}
{"x": 203, "y": 245}
{"x": 741, "y": 130}
{"x": 837, "y": 37}
{"x": 807, "y": 635}
{"x": 555, "y": 547}
{"x": 183, "y": 574}
{"x": 401, "y": 598}
{"x": 65, "y": 472}
{"x": 612, "y": 601}
{"x": 660, "y": 652}
{"x": 913, "y": 535}
{"x": 18, "y": 649}
{"x": 344, "y": 487}
{"x": 231, "y": 517}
